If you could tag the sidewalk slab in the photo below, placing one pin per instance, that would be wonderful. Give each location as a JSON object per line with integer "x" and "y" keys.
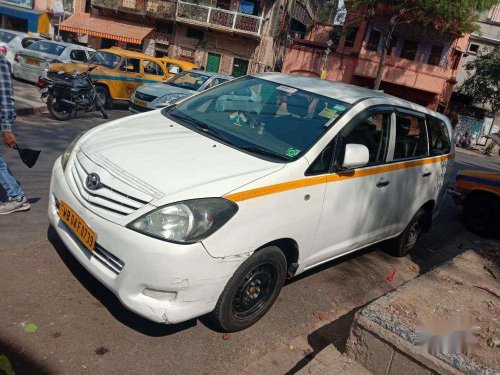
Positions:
{"x": 457, "y": 303}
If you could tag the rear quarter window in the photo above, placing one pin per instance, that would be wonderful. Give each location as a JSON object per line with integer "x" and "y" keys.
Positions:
{"x": 439, "y": 137}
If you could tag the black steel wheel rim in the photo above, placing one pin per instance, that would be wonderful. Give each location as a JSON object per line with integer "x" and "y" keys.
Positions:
{"x": 413, "y": 234}
{"x": 255, "y": 290}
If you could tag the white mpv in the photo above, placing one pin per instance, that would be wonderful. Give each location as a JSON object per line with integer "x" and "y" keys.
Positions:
{"x": 208, "y": 205}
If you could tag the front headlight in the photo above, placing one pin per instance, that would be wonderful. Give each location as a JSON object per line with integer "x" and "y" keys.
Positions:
{"x": 67, "y": 153}
{"x": 186, "y": 222}
{"x": 170, "y": 98}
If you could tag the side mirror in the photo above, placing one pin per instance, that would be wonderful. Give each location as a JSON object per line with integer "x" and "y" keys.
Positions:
{"x": 355, "y": 156}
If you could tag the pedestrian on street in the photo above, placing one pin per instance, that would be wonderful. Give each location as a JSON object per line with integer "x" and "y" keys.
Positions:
{"x": 16, "y": 201}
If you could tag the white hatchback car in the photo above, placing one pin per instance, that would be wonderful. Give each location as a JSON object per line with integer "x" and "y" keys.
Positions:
{"x": 209, "y": 204}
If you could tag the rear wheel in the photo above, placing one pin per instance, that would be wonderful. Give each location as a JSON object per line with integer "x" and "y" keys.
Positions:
{"x": 60, "y": 111}
{"x": 252, "y": 290}
{"x": 103, "y": 95}
{"x": 406, "y": 241}
{"x": 481, "y": 215}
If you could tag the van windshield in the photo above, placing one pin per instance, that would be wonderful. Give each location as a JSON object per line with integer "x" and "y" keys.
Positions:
{"x": 261, "y": 117}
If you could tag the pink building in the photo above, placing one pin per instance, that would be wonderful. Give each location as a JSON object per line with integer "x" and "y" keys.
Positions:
{"x": 421, "y": 66}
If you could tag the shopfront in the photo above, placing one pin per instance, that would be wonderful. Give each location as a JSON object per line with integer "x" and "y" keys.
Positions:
{"x": 19, "y": 15}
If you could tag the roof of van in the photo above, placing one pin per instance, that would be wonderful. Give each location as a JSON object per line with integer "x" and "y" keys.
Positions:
{"x": 347, "y": 93}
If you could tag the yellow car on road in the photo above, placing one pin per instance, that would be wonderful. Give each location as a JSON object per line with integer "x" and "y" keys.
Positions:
{"x": 479, "y": 193}
{"x": 120, "y": 72}
{"x": 176, "y": 66}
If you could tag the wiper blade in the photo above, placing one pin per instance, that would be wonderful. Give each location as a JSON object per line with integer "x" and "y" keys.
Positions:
{"x": 262, "y": 151}
{"x": 200, "y": 125}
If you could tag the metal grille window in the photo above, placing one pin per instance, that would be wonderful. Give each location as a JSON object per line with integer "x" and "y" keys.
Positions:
{"x": 68, "y": 6}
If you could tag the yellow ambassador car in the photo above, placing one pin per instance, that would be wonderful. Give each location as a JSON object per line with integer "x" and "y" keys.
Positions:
{"x": 479, "y": 193}
{"x": 120, "y": 72}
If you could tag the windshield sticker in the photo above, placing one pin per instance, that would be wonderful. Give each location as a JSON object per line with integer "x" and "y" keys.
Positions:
{"x": 339, "y": 107}
{"x": 328, "y": 113}
{"x": 292, "y": 152}
{"x": 287, "y": 89}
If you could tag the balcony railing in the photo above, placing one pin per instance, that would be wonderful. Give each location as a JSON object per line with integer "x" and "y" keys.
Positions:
{"x": 153, "y": 8}
{"x": 218, "y": 18}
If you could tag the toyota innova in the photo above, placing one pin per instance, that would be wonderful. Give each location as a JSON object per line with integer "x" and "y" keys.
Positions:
{"x": 208, "y": 205}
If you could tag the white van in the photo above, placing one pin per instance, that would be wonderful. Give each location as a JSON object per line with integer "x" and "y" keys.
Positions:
{"x": 207, "y": 206}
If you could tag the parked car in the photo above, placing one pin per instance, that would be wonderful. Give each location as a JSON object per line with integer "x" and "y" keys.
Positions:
{"x": 119, "y": 72}
{"x": 479, "y": 194}
{"x": 16, "y": 41}
{"x": 158, "y": 95}
{"x": 34, "y": 61}
{"x": 175, "y": 66}
{"x": 193, "y": 209}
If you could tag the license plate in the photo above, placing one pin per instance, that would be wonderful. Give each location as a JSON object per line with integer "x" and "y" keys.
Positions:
{"x": 78, "y": 226}
{"x": 32, "y": 61}
{"x": 142, "y": 103}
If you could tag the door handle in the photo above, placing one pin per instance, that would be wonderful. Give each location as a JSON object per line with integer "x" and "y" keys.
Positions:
{"x": 426, "y": 174}
{"x": 383, "y": 183}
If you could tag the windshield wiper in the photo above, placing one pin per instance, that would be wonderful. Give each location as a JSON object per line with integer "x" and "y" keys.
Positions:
{"x": 200, "y": 125}
{"x": 262, "y": 151}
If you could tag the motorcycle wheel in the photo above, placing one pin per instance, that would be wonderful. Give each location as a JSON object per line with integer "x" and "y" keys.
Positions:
{"x": 59, "y": 111}
{"x": 103, "y": 111}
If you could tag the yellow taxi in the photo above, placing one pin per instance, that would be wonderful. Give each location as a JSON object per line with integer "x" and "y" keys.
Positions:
{"x": 119, "y": 72}
{"x": 479, "y": 193}
{"x": 176, "y": 66}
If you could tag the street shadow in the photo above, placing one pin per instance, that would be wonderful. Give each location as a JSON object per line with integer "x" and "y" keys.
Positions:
{"x": 22, "y": 361}
{"x": 109, "y": 300}
{"x": 335, "y": 333}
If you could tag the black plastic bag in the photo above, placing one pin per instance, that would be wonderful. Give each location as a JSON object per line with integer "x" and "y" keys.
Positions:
{"x": 28, "y": 156}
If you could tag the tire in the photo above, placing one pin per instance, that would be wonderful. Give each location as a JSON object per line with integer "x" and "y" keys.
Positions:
{"x": 58, "y": 111}
{"x": 481, "y": 215}
{"x": 103, "y": 94}
{"x": 405, "y": 242}
{"x": 243, "y": 302}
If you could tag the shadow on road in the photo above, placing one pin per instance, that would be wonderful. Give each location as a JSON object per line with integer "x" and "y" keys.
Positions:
{"x": 108, "y": 299}
{"x": 21, "y": 361}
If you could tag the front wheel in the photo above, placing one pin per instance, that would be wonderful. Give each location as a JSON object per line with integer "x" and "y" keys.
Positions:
{"x": 104, "y": 97}
{"x": 59, "y": 111}
{"x": 482, "y": 215}
{"x": 252, "y": 290}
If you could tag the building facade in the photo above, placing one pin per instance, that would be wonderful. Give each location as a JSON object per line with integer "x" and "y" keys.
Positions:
{"x": 226, "y": 36}
{"x": 23, "y": 15}
{"x": 421, "y": 64}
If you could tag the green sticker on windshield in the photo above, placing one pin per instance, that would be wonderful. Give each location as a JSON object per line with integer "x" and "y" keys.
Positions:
{"x": 292, "y": 152}
{"x": 328, "y": 113}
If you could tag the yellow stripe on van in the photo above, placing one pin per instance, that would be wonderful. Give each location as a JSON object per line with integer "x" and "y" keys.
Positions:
{"x": 336, "y": 177}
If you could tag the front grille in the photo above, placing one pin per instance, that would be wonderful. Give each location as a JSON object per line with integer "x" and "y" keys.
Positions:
{"x": 111, "y": 262}
{"x": 146, "y": 97}
{"x": 106, "y": 197}
{"x": 139, "y": 108}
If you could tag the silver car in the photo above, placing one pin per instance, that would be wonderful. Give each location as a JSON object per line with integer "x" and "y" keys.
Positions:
{"x": 34, "y": 61}
{"x": 16, "y": 41}
{"x": 158, "y": 95}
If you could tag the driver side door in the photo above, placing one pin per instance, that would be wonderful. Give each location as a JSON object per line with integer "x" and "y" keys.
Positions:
{"x": 358, "y": 202}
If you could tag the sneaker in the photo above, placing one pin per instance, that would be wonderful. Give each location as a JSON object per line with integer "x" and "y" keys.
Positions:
{"x": 12, "y": 206}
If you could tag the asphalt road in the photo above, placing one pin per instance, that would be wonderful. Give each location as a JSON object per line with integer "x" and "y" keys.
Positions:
{"x": 83, "y": 328}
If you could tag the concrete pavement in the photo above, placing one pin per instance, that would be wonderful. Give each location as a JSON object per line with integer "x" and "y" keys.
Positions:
{"x": 83, "y": 328}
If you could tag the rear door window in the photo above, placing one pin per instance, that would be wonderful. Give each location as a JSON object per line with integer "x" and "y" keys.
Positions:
{"x": 152, "y": 68}
{"x": 439, "y": 137}
{"x": 131, "y": 66}
{"x": 78, "y": 55}
{"x": 411, "y": 137}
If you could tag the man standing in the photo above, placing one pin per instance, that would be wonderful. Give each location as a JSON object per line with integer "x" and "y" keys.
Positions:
{"x": 16, "y": 201}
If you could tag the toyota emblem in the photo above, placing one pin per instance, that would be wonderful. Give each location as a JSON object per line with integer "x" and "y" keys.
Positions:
{"x": 93, "y": 181}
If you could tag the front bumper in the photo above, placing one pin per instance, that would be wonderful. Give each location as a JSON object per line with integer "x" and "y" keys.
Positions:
{"x": 161, "y": 281}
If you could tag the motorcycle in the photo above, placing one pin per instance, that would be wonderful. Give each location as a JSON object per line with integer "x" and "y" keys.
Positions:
{"x": 66, "y": 94}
